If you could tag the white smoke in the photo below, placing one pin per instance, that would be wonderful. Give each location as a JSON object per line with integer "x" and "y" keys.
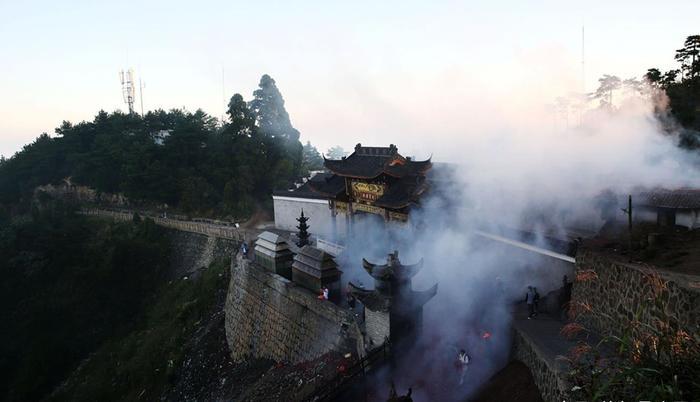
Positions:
{"x": 520, "y": 172}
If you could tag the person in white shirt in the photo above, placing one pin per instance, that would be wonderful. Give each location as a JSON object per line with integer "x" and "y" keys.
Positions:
{"x": 461, "y": 364}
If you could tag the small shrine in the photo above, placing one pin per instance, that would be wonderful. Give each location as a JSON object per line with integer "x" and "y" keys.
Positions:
{"x": 393, "y": 310}
{"x": 315, "y": 269}
{"x": 272, "y": 252}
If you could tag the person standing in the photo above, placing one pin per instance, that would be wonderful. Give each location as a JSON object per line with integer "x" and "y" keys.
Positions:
{"x": 530, "y": 301}
{"x": 349, "y": 297}
{"x": 461, "y": 365}
{"x": 536, "y": 301}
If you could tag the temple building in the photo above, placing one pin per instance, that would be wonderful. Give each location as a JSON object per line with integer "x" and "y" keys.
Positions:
{"x": 375, "y": 181}
{"x": 393, "y": 310}
{"x": 671, "y": 207}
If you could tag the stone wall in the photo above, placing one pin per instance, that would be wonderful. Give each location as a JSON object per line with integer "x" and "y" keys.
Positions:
{"x": 205, "y": 228}
{"x": 195, "y": 245}
{"x": 377, "y": 324}
{"x": 193, "y": 251}
{"x": 547, "y": 372}
{"x": 618, "y": 289}
{"x": 267, "y": 316}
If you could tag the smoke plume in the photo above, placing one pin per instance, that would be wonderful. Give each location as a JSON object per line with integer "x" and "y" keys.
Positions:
{"x": 527, "y": 169}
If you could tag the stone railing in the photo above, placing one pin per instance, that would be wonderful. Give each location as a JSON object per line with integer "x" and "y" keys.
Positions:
{"x": 207, "y": 228}
{"x": 329, "y": 247}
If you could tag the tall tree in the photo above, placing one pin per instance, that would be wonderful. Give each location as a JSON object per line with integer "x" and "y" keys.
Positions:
{"x": 607, "y": 85}
{"x": 312, "y": 158}
{"x": 242, "y": 120}
{"x": 689, "y": 56}
{"x": 336, "y": 152}
{"x": 653, "y": 76}
{"x": 270, "y": 114}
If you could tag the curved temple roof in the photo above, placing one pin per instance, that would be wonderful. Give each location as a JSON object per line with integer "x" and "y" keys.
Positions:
{"x": 370, "y": 162}
{"x": 392, "y": 269}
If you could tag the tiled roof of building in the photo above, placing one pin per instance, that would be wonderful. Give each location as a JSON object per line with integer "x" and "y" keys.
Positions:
{"x": 392, "y": 269}
{"x": 321, "y": 186}
{"x": 684, "y": 198}
{"x": 316, "y": 263}
{"x": 401, "y": 194}
{"x": 327, "y": 186}
{"x": 370, "y": 162}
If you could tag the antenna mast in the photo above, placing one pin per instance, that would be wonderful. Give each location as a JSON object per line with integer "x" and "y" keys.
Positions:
{"x": 128, "y": 89}
{"x": 141, "y": 86}
{"x": 223, "y": 95}
{"x": 582, "y": 103}
{"x": 583, "y": 58}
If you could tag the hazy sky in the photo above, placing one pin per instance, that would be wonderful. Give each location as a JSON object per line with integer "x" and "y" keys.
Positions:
{"x": 371, "y": 72}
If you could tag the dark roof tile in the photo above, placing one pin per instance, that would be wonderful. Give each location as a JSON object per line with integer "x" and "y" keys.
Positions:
{"x": 684, "y": 198}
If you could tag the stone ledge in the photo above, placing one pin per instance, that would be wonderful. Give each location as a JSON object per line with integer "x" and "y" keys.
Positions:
{"x": 549, "y": 373}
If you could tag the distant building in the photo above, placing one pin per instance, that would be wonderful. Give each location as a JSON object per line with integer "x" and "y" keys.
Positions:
{"x": 672, "y": 207}
{"x": 372, "y": 181}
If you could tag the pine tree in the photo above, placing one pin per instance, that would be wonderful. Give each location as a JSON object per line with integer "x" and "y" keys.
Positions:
{"x": 689, "y": 56}
{"x": 268, "y": 107}
{"x": 303, "y": 230}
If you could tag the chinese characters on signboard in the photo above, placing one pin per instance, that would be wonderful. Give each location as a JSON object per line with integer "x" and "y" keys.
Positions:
{"x": 366, "y": 192}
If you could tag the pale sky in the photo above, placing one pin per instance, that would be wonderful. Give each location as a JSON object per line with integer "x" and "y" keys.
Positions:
{"x": 360, "y": 71}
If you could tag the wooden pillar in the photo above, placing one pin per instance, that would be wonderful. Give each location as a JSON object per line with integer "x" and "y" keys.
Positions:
{"x": 351, "y": 219}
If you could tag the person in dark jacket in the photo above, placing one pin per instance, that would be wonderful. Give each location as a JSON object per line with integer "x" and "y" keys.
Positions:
{"x": 530, "y": 301}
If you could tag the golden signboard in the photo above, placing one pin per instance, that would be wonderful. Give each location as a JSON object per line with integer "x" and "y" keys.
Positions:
{"x": 367, "y": 192}
{"x": 341, "y": 207}
{"x": 367, "y": 208}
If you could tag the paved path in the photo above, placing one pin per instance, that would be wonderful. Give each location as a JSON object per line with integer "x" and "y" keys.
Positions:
{"x": 206, "y": 228}
{"x": 544, "y": 331}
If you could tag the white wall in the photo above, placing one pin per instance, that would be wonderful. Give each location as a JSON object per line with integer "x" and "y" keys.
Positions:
{"x": 288, "y": 209}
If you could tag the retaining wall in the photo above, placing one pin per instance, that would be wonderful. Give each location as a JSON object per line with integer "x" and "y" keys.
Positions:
{"x": 548, "y": 373}
{"x": 193, "y": 251}
{"x": 209, "y": 229}
{"x": 267, "y": 316}
{"x": 620, "y": 289}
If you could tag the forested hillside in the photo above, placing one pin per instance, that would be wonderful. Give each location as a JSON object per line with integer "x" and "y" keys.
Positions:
{"x": 187, "y": 160}
{"x": 69, "y": 284}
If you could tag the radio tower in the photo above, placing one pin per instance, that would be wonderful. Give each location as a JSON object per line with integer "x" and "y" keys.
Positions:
{"x": 128, "y": 88}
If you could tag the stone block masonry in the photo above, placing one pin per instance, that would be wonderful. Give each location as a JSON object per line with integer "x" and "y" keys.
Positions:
{"x": 549, "y": 374}
{"x": 377, "y": 324}
{"x": 618, "y": 289}
{"x": 193, "y": 251}
{"x": 267, "y": 316}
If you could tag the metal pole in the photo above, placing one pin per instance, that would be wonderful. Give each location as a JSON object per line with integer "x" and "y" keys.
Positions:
{"x": 141, "y": 94}
{"x": 629, "y": 219}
